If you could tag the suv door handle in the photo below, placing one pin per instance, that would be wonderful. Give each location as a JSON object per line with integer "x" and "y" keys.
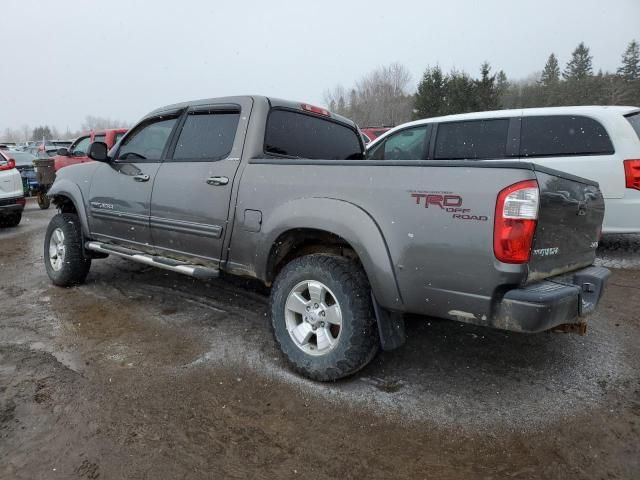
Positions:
{"x": 141, "y": 178}
{"x": 217, "y": 180}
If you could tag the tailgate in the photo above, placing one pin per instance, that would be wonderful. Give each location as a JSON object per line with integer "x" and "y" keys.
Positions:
{"x": 569, "y": 223}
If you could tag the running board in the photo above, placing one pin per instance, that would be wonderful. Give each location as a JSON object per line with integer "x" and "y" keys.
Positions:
{"x": 192, "y": 270}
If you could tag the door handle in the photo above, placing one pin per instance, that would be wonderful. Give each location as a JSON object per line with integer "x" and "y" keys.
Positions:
{"x": 141, "y": 178}
{"x": 217, "y": 180}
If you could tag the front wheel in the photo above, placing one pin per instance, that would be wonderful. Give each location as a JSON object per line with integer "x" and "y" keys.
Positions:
{"x": 322, "y": 317}
{"x": 43, "y": 200}
{"x": 64, "y": 258}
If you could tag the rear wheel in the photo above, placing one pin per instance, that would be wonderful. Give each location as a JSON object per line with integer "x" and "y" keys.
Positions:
{"x": 43, "y": 200}
{"x": 12, "y": 220}
{"x": 322, "y": 317}
{"x": 64, "y": 258}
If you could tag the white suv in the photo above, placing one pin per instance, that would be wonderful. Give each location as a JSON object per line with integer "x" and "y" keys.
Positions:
{"x": 599, "y": 143}
{"x": 12, "y": 199}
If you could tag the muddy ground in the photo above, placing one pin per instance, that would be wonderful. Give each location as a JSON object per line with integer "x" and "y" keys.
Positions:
{"x": 146, "y": 374}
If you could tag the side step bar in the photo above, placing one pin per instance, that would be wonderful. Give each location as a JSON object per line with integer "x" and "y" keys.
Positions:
{"x": 192, "y": 270}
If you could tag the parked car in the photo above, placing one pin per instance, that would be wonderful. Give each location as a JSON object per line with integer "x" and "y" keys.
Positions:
{"x": 12, "y": 199}
{"x": 374, "y": 132}
{"x": 77, "y": 152}
{"x": 600, "y": 143}
{"x": 279, "y": 191}
{"x": 24, "y": 164}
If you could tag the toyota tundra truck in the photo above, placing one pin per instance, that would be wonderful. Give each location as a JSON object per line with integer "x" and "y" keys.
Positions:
{"x": 282, "y": 192}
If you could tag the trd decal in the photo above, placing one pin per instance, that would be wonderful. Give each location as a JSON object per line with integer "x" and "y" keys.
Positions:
{"x": 447, "y": 201}
{"x": 107, "y": 206}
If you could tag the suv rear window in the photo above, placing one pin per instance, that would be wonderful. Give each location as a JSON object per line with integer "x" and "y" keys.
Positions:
{"x": 562, "y": 135}
{"x": 299, "y": 135}
{"x": 634, "y": 120}
{"x": 207, "y": 136}
{"x": 476, "y": 140}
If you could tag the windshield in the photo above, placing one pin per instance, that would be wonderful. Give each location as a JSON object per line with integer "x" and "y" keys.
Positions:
{"x": 22, "y": 158}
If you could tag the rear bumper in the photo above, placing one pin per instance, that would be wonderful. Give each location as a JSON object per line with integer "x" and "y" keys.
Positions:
{"x": 9, "y": 206}
{"x": 621, "y": 214}
{"x": 565, "y": 299}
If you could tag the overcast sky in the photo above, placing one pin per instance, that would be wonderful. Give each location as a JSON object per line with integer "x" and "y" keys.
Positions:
{"x": 65, "y": 59}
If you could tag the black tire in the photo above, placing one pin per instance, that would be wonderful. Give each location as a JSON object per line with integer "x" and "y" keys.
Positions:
{"x": 75, "y": 266}
{"x": 43, "y": 200}
{"x": 358, "y": 339}
{"x": 9, "y": 221}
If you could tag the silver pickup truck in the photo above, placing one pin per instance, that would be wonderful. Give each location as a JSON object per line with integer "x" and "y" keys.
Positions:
{"x": 282, "y": 192}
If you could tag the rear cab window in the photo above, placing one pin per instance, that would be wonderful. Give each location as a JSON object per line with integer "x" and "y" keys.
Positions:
{"x": 563, "y": 135}
{"x": 472, "y": 140}
{"x": 295, "y": 134}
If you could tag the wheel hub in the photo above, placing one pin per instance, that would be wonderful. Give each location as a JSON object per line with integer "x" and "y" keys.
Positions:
{"x": 313, "y": 317}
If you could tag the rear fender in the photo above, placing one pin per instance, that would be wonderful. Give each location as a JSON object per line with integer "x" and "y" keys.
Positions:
{"x": 347, "y": 221}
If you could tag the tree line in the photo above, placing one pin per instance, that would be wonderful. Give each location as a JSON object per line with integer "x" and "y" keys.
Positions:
{"x": 384, "y": 96}
{"x": 27, "y": 133}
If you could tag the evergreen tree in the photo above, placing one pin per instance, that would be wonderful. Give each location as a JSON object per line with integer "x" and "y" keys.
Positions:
{"x": 630, "y": 68}
{"x": 41, "y": 132}
{"x": 460, "y": 93}
{"x": 551, "y": 73}
{"x": 430, "y": 97}
{"x": 486, "y": 89}
{"x": 579, "y": 67}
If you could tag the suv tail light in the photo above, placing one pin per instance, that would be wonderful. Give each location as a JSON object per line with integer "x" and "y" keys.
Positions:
{"x": 515, "y": 222}
{"x": 632, "y": 174}
{"x": 11, "y": 163}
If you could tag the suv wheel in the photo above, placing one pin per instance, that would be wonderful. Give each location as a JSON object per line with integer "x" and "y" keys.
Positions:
{"x": 12, "y": 220}
{"x": 322, "y": 317}
{"x": 64, "y": 258}
{"x": 43, "y": 200}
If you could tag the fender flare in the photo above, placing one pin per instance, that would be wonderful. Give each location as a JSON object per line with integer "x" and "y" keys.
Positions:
{"x": 347, "y": 221}
{"x": 68, "y": 189}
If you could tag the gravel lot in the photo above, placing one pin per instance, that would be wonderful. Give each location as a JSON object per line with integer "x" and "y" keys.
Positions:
{"x": 142, "y": 373}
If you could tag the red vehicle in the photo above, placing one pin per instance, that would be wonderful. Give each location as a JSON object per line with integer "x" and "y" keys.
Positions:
{"x": 77, "y": 151}
{"x": 374, "y": 132}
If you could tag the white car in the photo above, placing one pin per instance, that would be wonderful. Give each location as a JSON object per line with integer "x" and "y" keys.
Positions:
{"x": 596, "y": 142}
{"x": 12, "y": 199}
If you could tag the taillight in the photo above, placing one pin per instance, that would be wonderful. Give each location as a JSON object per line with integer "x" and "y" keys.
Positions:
{"x": 11, "y": 163}
{"x": 318, "y": 110}
{"x": 21, "y": 201}
{"x": 515, "y": 222}
{"x": 632, "y": 174}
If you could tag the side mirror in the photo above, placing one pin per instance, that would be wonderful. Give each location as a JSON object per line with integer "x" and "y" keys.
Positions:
{"x": 63, "y": 152}
{"x": 98, "y": 152}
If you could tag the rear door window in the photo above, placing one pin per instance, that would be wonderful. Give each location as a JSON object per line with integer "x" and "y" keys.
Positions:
{"x": 293, "y": 134}
{"x": 563, "y": 135}
{"x": 207, "y": 136}
{"x": 473, "y": 140}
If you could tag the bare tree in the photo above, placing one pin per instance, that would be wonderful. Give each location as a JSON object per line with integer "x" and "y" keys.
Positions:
{"x": 380, "y": 98}
{"x": 92, "y": 122}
